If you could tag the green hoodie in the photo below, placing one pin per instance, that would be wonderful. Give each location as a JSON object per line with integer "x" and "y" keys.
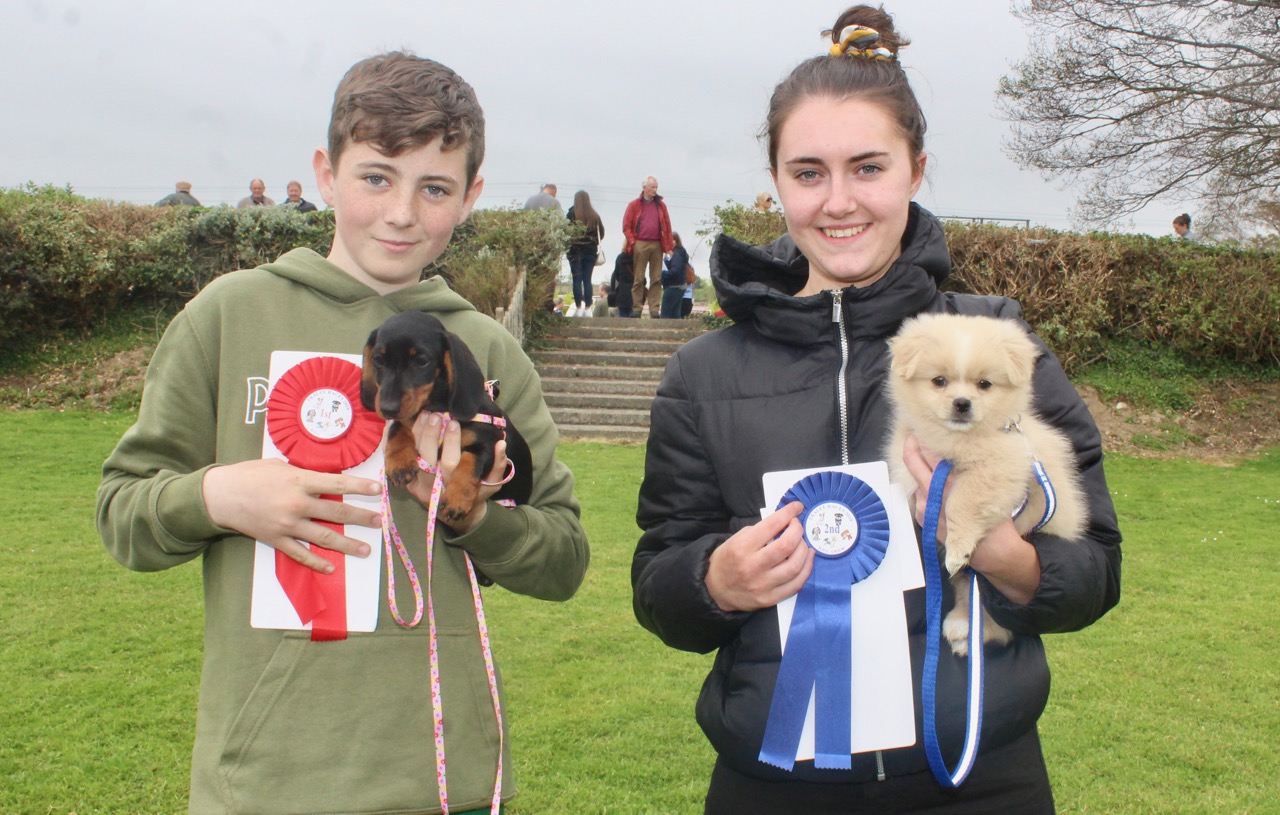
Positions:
{"x": 286, "y": 725}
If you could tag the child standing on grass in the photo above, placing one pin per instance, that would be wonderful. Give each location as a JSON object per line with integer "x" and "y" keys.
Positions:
{"x": 797, "y": 381}
{"x": 286, "y": 723}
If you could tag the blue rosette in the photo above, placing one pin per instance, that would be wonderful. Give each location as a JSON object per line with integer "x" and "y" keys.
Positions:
{"x": 846, "y": 524}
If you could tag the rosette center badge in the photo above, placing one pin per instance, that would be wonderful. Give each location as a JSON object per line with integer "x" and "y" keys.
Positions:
{"x": 325, "y": 414}
{"x": 831, "y": 529}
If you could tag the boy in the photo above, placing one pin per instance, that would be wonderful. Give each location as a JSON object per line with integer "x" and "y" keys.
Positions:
{"x": 285, "y": 723}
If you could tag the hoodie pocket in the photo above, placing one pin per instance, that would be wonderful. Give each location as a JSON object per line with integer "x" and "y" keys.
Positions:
{"x": 346, "y": 727}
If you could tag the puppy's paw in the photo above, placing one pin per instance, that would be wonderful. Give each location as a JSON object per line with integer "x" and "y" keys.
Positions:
{"x": 956, "y": 629}
{"x": 995, "y": 634}
{"x": 460, "y": 495}
{"x": 957, "y": 560}
{"x": 452, "y": 511}
{"x": 402, "y": 476}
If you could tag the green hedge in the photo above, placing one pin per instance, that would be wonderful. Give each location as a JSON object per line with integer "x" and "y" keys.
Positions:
{"x": 68, "y": 261}
{"x": 1085, "y": 293}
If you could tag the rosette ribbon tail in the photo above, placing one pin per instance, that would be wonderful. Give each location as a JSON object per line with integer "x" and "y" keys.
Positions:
{"x": 832, "y": 684}
{"x": 317, "y": 598}
{"x": 795, "y": 684}
{"x": 847, "y": 525}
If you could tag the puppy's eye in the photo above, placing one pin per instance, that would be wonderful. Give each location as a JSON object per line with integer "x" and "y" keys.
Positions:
{"x": 378, "y": 362}
{"x": 940, "y": 381}
{"x": 423, "y": 362}
{"x": 984, "y": 384}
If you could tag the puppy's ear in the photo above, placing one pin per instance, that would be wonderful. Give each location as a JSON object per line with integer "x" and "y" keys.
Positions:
{"x": 369, "y": 375}
{"x": 906, "y": 348}
{"x": 465, "y": 380}
{"x": 1021, "y": 354}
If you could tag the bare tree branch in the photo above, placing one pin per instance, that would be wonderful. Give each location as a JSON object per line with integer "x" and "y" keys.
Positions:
{"x": 1134, "y": 100}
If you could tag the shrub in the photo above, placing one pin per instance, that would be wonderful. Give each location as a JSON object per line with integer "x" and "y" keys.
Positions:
{"x": 1088, "y": 295}
{"x": 747, "y": 224}
{"x": 1083, "y": 293}
{"x": 492, "y": 243}
{"x": 224, "y": 239}
{"x": 67, "y": 262}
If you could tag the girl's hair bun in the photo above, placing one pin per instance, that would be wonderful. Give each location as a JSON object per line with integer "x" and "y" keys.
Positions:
{"x": 875, "y": 18}
{"x": 864, "y": 65}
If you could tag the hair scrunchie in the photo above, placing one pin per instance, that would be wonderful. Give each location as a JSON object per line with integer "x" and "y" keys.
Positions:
{"x": 860, "y": 41}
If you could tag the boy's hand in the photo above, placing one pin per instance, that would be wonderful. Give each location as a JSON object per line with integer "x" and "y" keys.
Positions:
{"x": 426, "y": 429}
{"x": 279, "y": 504}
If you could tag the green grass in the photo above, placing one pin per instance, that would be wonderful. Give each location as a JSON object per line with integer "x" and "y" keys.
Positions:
{"x": 1158, "y": 378}
{"x": 123, "y": 330}
{"x": 72, "y": 369}
{"x": 1169, "y": 704}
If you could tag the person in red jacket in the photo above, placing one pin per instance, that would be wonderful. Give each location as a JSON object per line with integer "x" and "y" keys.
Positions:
{"x": 647, "y": 228}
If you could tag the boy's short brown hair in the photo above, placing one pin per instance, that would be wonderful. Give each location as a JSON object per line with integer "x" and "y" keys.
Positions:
{"x": 398, "y": 101}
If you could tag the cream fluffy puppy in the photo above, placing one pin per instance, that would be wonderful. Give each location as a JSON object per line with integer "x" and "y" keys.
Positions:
{"x": 962, "y": 386}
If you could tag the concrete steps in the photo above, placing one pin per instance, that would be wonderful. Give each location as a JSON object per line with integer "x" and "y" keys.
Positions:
{"x": 599, "y": 374}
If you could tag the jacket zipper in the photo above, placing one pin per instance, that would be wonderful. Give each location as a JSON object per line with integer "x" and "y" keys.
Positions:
{"x": 842, "y": 400}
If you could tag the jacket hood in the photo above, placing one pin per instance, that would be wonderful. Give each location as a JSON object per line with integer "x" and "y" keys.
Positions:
{"x": 307, "y": 268}
{"x": 759, "y": 283}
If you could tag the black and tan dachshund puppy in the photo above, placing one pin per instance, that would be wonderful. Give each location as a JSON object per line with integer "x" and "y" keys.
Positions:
{"x": 412, "y": 364}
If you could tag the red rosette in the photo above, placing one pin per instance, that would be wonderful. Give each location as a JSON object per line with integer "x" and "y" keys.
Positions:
{"x": 315, "y": 417}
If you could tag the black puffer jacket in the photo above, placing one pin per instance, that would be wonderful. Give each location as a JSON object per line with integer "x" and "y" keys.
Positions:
{"x": 765, "y": 394}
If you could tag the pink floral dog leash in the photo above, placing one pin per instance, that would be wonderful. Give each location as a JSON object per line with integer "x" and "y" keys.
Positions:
{"x": 391, "y": 537}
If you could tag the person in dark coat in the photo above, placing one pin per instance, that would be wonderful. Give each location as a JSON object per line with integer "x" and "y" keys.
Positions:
{"x": 180, "y": 197}
{"x": 621, "y": 282}
{"x": 583, "y": 251}
{"x": 673, "y": 279}
{"x": 797, "y": 381}
{"x": 295, "y": 199}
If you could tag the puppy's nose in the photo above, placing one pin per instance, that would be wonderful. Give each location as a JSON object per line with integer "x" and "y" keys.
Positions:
{"x": 961, "y": 406}
{"x": 389, "y": 407}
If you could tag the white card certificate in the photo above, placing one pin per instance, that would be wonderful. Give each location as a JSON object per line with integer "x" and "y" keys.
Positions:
{"x": 883, "y": 711}
{"x": 270, "y": 607}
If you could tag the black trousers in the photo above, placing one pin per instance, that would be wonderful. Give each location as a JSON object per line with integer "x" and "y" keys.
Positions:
{"x": 1009, "y": 780}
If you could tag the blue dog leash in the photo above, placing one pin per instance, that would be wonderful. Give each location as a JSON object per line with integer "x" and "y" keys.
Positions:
{"x": 933, "y": 640}
{"x": 933, "y": 628}
{"x": 1042, "y": 478}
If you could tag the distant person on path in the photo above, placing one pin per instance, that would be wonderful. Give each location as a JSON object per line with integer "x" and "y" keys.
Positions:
{"x": 647, "y": 228}
{"x": 582, "y": 252}
{"x": 601, "y": 306}
{"x": 544, "y": 199}
{"x": 180, "y": 197}
{"x": 295, "y": 199}
{"x": 621, "y": 281}
{"x": 764, "y": 202}
{"x": 673, "y": 279}
{"x": 1182, "y": 226}
{"x": 257, "y": 196}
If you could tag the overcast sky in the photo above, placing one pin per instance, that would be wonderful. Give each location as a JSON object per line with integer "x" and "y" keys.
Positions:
{"x": 122, "y": 99}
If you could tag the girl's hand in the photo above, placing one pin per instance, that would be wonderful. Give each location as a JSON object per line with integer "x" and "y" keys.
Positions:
{"x": 761, "y": 564}
{"x": 1003, "y": 556}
